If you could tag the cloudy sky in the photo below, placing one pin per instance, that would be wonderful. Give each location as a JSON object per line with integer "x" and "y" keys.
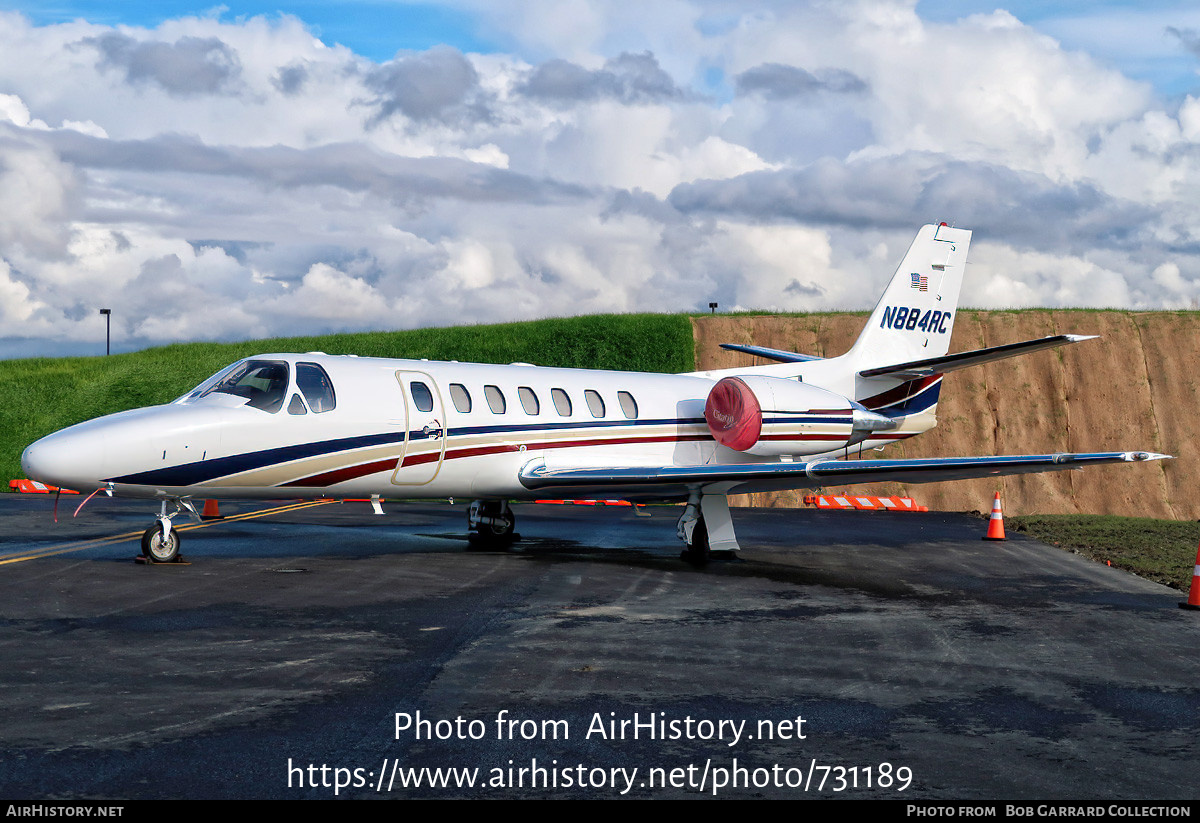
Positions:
{"x": 260, "y": 169}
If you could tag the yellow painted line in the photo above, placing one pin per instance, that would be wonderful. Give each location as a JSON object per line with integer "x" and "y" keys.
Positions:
{"x": 64, "y": 548}
{"x": 96, "y": 542}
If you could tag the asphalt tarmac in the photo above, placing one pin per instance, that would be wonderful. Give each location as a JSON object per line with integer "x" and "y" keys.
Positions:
{"x": 326, "y": 651}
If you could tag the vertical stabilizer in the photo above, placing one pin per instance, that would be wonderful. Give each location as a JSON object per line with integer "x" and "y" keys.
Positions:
{"x": 914, "y": 318}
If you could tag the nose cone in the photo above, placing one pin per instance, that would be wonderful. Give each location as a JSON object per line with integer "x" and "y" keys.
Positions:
{"x": 125, "y": 445}
{"x": 68, "y": 458}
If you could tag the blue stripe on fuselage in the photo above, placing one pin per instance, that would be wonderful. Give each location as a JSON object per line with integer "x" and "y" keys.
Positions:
{"x": 190, "y": 474}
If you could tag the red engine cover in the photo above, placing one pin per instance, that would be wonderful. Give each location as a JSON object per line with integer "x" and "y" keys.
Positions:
{"x": 733, "y": 414}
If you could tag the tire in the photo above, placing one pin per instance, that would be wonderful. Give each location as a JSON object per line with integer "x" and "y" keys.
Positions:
{"x": 496, "y": 524}
{"x": 504, "y": 528}
{"x": 157, "y": 549}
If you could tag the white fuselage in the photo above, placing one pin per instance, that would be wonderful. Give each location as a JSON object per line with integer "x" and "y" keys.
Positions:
{"x": 388, "y": 436}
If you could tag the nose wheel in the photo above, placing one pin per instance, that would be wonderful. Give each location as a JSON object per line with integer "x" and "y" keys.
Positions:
{"x": 160, "y": 547}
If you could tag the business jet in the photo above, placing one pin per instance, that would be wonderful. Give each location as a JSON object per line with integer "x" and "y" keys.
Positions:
{"x": 315, "y": 425}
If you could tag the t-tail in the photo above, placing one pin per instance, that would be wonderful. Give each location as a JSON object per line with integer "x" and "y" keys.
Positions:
{"x": 912, "y": 321}
{"x": 899, "y": 359}
{"x": 893, "y": 372}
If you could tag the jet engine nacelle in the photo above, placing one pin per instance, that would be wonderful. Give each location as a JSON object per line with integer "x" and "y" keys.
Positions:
{"x": 773, "y": 416}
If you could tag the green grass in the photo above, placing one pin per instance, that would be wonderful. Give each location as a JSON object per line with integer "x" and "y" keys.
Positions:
{"x": 39, "y": 396}
{"x": 1160, "y": 550}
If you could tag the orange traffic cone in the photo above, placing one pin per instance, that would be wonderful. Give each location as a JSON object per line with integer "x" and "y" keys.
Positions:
{"x": 1193, "y": 601}
{"x": 210, "y": 510}
{"x": 996, "y": 524}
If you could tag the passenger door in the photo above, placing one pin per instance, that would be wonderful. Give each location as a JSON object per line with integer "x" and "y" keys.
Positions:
{"x": 425, "y": 430}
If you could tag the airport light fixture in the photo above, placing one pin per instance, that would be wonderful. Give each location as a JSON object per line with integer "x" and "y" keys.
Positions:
{"x": 107, "y": 331}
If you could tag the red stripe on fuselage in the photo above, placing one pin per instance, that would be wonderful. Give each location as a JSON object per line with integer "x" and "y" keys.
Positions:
{"x": 390, "y": 464}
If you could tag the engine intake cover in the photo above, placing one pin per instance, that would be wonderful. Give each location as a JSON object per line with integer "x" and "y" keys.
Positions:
{"x": 733, "y": 414}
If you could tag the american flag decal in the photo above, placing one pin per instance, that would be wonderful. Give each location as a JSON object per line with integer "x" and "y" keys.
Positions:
{"x": 920, "y": 283}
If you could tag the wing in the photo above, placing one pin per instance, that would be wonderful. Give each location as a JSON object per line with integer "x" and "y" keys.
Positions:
{"x": 667, "y": 482}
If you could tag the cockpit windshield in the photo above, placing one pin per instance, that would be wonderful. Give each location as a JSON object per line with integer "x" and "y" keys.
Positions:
{"x": 263, "y": 382}
{"x": 204, "y": 387}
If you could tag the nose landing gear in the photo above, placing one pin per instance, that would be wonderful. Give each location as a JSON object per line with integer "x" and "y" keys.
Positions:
{"x": 160, "y": 542}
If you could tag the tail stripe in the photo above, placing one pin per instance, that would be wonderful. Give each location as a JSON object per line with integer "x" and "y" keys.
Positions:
{"x": 910, "y": 397}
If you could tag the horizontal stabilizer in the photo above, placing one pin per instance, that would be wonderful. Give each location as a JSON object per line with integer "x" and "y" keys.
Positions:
{"x": 952, "y": 362}
{"x": 740, "y": 478}
{"x": 778, "y": 355}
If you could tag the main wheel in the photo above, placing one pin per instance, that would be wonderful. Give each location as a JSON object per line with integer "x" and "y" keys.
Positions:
{"x": 491, "y": 523}
{"x": 503, "y": 525}
{"x": 158, "y": 549}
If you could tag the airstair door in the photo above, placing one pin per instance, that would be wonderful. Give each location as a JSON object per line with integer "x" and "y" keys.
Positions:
{"x": 425, "y": 430}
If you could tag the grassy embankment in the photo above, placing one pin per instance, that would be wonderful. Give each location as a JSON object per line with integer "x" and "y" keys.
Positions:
{"x": 42, "y": 395}
{"x": 1160, "y": 550}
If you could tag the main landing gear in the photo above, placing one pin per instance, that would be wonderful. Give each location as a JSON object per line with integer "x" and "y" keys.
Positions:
{"x": 160, "y": 542}
{"x": 705, "y": 527}
{"x": 491, "y": 522}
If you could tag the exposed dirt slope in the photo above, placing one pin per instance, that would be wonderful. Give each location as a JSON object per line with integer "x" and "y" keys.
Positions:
{"x": 1134, "y": 388}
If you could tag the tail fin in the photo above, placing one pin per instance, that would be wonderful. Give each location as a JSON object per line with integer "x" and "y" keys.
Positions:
{"x": 914, "y": 318}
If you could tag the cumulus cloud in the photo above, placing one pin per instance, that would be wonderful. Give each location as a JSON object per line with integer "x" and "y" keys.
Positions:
{"x": 440, "y": 84}
{"x": 290, "y": 79}
{"x": 188, "y": 66}
{"x": 37, "y": 196}
{"x": 776, "y": 81}
{"x": 16, "y": 304}
{"x": 241, "y": 178}
{"x": 628, "y": 78}
{"x": 1021, "y": 208}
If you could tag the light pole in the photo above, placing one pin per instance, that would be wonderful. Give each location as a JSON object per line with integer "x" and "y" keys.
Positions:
{"x": 107, "y": 330}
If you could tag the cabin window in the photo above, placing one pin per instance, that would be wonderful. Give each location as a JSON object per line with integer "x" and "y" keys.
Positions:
{"x": 628, "y": 404}
{"x": 421, "y": 395}
{"x": 461, "y": 397}
{"x": 529, "y": 400}
{"x": 317, "y": 387}
{"x": 495, "y": 399}
{"x": 297, "y": 405}
{"x": 562, "y": 401}
{"x": 595, "y": 402}
{"x": 262, "y": 382}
